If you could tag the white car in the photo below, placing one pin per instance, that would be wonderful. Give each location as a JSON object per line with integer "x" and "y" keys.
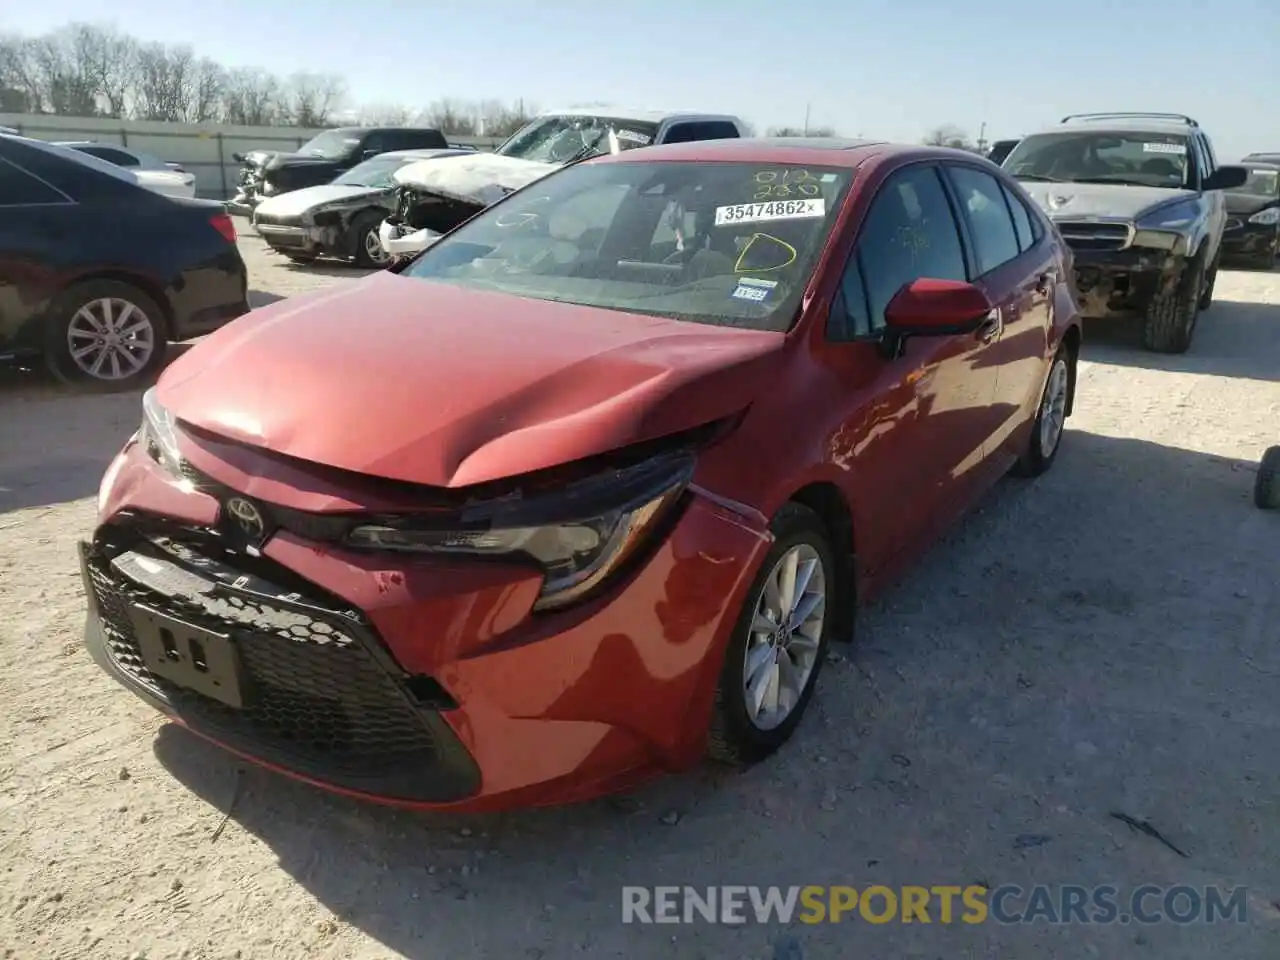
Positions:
{"x": 150, "y": 171}
{"x": 437, "y": 195}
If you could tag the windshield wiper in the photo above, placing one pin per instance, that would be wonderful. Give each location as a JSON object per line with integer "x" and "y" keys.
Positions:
{"x": 1122, "y": 181}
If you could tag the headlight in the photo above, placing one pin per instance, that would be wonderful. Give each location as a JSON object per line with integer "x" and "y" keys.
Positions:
{"x": 579, "y": 535}
{"x": 1173, "y": 217}
{"x": 1266, "y": 218}
{"x": 158, "y": 434}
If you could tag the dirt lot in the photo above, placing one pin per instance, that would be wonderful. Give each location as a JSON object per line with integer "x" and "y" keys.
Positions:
{"x": 1094, "y": 642}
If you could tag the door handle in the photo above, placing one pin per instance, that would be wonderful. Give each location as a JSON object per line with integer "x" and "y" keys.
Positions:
{"x": 991, "y": 327}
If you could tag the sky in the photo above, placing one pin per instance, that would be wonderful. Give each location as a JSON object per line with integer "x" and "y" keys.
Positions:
{"x": 890, "y": 71}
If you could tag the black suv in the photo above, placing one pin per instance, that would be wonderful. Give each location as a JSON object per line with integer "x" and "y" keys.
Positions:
{"x": 1138, "y": 197}
{"x": 323, "y": 157}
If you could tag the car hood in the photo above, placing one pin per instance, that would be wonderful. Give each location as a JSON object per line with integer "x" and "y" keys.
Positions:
{"x": 297, "y": 202}
{"x": 1247, "y": 204}
{"x": 482, "y": 178}
{"x": 1069, "y": 201}
{"x": 432, "y": 384}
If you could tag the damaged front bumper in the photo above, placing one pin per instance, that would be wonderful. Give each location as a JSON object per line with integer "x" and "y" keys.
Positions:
{"x": 404, "y": 241}
{"x": 1255, "y": 243}
{"x": 1119, "y": 269}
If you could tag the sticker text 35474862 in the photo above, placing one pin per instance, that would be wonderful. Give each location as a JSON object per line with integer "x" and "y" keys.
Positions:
{"x": 772, "y": 210}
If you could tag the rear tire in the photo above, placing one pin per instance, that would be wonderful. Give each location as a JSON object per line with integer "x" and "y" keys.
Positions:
{"x": 1266, "y": 488}
{"x": 738, "y": 734}
{"x": 1206, "y": 296}
{"x": 1170, "y": 318}
{"x": 1050, "y": 423}
{"x": 105, "y": 335}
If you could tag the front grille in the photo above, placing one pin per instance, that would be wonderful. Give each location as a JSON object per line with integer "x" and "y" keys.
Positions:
{"x": 279, "y": 219}
{"x": 321, "y": 695}
{"x": 1095, "y": 234}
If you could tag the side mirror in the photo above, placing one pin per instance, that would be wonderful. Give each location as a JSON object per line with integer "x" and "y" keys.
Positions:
{"x": 1226, "y": 178}
{"x": 936, "y": 308}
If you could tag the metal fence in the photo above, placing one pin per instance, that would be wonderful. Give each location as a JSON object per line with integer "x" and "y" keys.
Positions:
{"x": 205, "y": 150}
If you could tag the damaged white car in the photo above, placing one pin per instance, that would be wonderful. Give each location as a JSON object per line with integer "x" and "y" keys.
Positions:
{"x": 435, "y": 196}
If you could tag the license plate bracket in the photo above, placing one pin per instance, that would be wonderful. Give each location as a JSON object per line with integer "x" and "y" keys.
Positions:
{"x": 190, "y": 656}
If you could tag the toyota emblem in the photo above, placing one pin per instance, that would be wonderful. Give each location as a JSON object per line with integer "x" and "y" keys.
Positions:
{"x": 248, "y": 518}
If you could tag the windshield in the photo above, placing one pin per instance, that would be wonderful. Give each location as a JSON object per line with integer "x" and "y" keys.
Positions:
{"x": 1140, "y": 159}
{"x": 719, "y": 243}
{"x": 373, "y": 173}
{"x": 563, "y": 139}
{"x": 330, "y": 145}
{"x": 1262, "y": 183}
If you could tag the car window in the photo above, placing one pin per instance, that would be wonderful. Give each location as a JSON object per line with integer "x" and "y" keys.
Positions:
{"x": 1021, "y": 220}
{"x": 909, "y": 232}
{"x": 983, "y": 205}
{"x": 118, "y": 157}
{"x": 586, "y": 235}
{"x": 375, "y": 143}
{"x": 700, "y": 130}
{"x": 19, "y": 188}
{"x": 1144, "y": 159}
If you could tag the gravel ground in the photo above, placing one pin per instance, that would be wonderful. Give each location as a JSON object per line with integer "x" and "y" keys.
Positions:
{"x": 1091, "y": 642}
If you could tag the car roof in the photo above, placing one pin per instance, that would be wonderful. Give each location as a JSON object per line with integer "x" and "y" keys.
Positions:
{"x": 819, "y": 151}
{"x": 90, "y": 143}
{"x": 1264, "y": 164}
{"x": 1133, "y": 125}
{"x": 643, "y": 114}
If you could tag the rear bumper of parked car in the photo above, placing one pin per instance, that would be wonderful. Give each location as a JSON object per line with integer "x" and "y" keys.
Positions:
{"x": 210, "y": 295}
{"x": 406, "y": 681}
{"x": 1249, "y": 241}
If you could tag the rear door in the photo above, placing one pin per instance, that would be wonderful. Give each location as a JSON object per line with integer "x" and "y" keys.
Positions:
{"x": 33, "y": 223}
{"x": 1016, "y": 268}
{"x": 918, "y": 426}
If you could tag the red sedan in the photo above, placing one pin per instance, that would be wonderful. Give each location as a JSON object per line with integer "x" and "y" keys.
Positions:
{"x": 582, "y": 493}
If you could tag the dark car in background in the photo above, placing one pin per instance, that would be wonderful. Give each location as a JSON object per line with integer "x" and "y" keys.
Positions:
{"x": 97, "y": 273}
{"x": 323, "y": 157}
{"x": 1001, "y": 149}
{"x": 1252, "y": 237}
{"x": 338, "y": 219}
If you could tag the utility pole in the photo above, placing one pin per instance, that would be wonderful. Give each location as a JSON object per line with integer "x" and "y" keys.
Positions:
{"x": 806, "y": 119}
{"x": 982, "y": 138}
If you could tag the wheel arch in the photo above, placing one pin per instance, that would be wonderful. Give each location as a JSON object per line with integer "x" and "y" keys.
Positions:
{"x": 826, "y": 500}
{"x": 147, "y": 285}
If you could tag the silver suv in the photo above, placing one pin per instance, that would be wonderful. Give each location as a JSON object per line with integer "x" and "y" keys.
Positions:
{"x": 1138, "y": 197}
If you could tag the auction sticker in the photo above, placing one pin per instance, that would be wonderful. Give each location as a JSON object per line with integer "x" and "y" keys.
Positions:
{"x": 754, "y": 290}
{"x": 773, "y": 210}
{"x": 1177, "y": 148}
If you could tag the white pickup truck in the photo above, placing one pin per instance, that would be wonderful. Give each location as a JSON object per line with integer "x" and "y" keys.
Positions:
{"x": 437, "y": 195}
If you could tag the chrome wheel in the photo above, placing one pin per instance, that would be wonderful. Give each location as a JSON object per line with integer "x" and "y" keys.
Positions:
{"x": 110, "y": 339}
{"x": 373, "y": 248}
{"x": 786, "y": 631}
{"x": 1053, "y": 407}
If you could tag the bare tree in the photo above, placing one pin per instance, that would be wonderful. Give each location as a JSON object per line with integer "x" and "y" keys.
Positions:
{"x": 496, "y": 119}
{"x": 109, "y": 60}
{"x": 167, "y": 79}
{"x": 384, "y": 115}
{"x": 949, "y": 135}
{"x": 253, "y": 98}
{"x": 64, "y": 73}
{"x": 207, "y": 91}
{"x": 453, "y": 117}
{"x": 313, "y": 98}
{"x": 20, "y": 90}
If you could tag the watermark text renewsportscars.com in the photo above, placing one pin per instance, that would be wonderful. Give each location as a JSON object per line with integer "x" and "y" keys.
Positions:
{"x": 945, "y": 904}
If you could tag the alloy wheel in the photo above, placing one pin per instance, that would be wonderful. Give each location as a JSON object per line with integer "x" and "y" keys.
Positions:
{"x": 373, "y": 248}
{"x": 786, "y": 631}
{"x": 1053, "y": 408}
{"x": 110, "y": 339}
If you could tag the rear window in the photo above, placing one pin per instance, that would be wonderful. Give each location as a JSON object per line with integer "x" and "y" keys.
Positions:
{"x": 1262, "y": 182}
{"x": 719, "y": 243}
{"x": 78, "y": 175}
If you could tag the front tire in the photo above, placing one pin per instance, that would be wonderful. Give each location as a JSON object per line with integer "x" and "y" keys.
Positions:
{"x": 779, "y": 642}
{"x": 105, "y": 335}
{"x": 366, "y": 246}
{"x": 1266, "y": 488}
{"x": 1170, "y": 318}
